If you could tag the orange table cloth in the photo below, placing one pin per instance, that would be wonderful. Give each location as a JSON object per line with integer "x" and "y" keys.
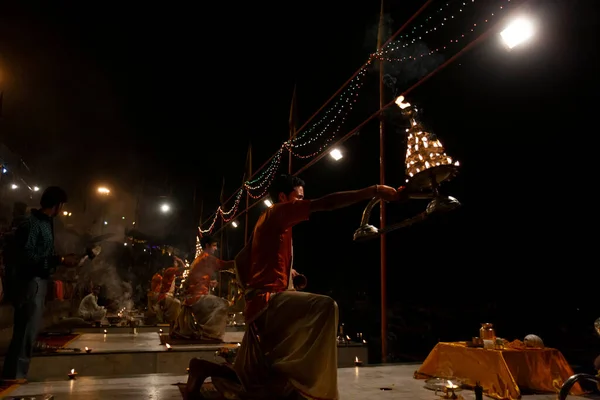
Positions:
{"x": 500, "y": 372}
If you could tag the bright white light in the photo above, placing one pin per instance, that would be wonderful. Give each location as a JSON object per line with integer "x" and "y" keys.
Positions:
{"x": 105, "y": 222}
{"x": 65, "y": 213}
{"x": 70, "y": 214}
{"x": 4, "y": 170}
{"x": 234, "y": 224}
{"x": 517, "y": 32}
{"x": 401, "y": 103}
{"x": 165, "y": 208}
{"x": 268, "y": 203}
{"x": 124, "y": 244}
{"x": 122, "y": 217}
{"x": 36, "y": 189}
{"x": 14, "y": 186}
{"x": 336, "y": 154}
{"x": 103, "y": 190}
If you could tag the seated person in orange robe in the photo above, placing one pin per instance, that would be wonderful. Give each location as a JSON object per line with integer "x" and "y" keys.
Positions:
{"x": 290, "y": 347}
{"x": 153, "y": 293}
{"x": 203, "y": 315}
{"x": 168, "y": 305}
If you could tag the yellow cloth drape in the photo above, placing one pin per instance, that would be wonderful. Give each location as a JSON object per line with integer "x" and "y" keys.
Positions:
{"x": 499, "y": 372}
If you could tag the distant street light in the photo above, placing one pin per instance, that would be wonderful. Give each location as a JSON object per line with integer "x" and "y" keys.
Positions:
{"x": 517, "y": 32}
{"x": 103, "y": 190}
{"x": 105, "y": 222}
{"x": 165, "y": 208}
{"x": 268, "y": 203}
{"x": 4, "y": 170}
{"x": 14, "y": 186}
{"x": 36, "y": 189}
{"x": 234, "y": 224}
{"x": 336, "y": 154}
{"x": 65, "y": 213}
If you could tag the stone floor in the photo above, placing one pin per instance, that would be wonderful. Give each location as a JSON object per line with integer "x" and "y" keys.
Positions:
{"x": 144, "y": 341}
{"x": 354, "y": 384}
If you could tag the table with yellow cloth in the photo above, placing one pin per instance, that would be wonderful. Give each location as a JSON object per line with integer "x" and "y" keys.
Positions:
{"x": 500, "y": 372}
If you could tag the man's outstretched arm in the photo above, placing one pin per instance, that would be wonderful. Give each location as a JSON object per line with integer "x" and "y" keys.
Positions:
{"x": 338, "y": 200}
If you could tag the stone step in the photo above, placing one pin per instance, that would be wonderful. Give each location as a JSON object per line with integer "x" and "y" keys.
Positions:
{"x": 120, "y": 354}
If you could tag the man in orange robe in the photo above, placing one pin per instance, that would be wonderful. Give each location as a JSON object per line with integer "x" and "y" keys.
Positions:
{"x": 153, "y": 293}
{"x": 290, "y": 347}
{"x": 203, "y": 316}
{"x": 168, "y": 305}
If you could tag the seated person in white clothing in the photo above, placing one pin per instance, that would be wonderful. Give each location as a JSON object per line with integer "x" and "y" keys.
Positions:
{"x": 89, "y": 309}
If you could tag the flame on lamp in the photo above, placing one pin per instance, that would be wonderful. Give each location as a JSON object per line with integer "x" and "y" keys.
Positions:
{"x": 400, "y": 103}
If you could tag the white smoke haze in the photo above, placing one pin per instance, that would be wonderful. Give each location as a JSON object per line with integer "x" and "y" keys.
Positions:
{"x": 104, "y": 273}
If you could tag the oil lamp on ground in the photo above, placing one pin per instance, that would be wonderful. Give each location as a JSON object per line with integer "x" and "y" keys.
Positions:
{"x": 427, "y": 166}
{"x": 449, "y": 391}
{"x": 88, "y": 350}
{"x": 72, "y": 374}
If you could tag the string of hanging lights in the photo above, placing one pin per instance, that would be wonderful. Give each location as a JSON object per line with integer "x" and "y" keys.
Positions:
{"x": 337, "y": 114}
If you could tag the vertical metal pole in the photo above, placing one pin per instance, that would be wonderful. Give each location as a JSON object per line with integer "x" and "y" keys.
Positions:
{"x": 221, "y": 244}
{"x": 292, "y": 127}
{"x": 382, "y": 248}
{"x": 246, "y": 227}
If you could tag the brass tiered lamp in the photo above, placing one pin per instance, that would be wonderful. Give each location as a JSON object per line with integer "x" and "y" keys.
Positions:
{"x": 427, "y": 166}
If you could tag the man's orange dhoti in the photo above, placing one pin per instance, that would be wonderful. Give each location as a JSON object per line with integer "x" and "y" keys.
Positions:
{"x": 295, "y": 337}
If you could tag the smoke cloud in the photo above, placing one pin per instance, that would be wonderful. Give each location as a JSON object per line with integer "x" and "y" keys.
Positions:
{"x": 408, "y": 59}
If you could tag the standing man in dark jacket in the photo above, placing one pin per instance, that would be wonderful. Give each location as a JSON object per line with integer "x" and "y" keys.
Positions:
{"x": 33, "y": 261}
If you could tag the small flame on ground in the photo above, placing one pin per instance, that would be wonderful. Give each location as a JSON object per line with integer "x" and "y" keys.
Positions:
{"x": 105, "y": 331}
{"x": 73, "y": 371}
{"x": 168, "y": 346}
{"x": 86, "y": 349}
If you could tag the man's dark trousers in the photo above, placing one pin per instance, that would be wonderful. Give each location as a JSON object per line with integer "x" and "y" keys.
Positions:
{"x": 28, "y": 301}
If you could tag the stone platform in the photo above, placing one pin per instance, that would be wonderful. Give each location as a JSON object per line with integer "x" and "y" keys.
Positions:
{"x": 119, "y": 354}
{"x": 354, "y": 384}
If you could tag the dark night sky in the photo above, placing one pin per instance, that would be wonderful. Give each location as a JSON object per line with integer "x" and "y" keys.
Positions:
{"x": 174, "y": 94}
